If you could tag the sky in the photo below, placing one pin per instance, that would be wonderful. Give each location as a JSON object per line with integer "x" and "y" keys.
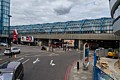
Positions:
{"x": 25, "y": 12}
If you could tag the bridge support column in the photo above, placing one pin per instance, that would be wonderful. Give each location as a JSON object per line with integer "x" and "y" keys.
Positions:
{"x": 80, "y": 46}
{"x": 49, "y": 42}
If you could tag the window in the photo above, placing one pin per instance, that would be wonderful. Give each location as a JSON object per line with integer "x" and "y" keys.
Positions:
{"x": 15, "y": 48}
{"x": 117, "y": 12}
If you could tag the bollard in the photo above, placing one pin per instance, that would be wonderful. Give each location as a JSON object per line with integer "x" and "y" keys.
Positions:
{"x": 78, "y": 65}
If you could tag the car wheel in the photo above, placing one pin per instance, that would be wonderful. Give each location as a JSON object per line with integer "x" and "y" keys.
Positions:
{"x": 19, "y": 52}
{"x": 12, "y": 53}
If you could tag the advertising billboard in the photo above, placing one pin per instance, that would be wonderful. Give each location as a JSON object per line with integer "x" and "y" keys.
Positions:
{"x": 27, "y": 39}
{"x": 15, "y": 35}
{"x": 70, "y": 42}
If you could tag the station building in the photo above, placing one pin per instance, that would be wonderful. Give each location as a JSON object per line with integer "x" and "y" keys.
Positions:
{"x": 86, "y": 26}
{"x": 96, "y": 32}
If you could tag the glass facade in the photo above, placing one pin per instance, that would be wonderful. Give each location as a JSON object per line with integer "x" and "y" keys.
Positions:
{"x": 93, "y": 26}
{"x": 4, "y": 19}
{"x": 115, "y": 13}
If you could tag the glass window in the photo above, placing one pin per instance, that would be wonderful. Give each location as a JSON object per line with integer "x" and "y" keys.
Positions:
{"x": 5, "y": 16}
{"x": 117, "y": 12}
{"x": 5, "y": 24}
{"x": 112, "y": 2}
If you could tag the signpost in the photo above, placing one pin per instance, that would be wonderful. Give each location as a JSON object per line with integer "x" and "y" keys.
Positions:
{"x": 86, "y": 56}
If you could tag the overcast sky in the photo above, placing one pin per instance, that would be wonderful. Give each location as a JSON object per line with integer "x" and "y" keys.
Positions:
{"x": 25, "y": 12}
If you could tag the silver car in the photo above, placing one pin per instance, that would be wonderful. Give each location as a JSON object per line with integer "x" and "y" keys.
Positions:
{"x": 3, "y": 44}
{"x": 13, "y": 50}
{"x": 12, "y": 71}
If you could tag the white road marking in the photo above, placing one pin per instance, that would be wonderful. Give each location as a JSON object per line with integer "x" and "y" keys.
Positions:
{"x": 51, "y": 63}
{"x": 37, "y": 55}
{"x": 25, "y": 61}
{"x": 20, "y": 56}
{"x": 33, "y": 55}
{"x": 37, "y": 60}
{"x": 20, "y": 59}
{"x": 53, "y": 54}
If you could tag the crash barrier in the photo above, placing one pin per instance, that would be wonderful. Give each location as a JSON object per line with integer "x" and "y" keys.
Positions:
{"x": 98, "y": 73}
{"x": 46, "y": 48}
{"x": 43, "y": 48}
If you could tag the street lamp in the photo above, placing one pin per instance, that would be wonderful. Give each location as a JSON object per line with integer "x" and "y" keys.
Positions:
{"x": 9, "y": 41}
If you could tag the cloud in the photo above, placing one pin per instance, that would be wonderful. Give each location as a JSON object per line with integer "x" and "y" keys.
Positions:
{"x": 26, "y": 12}
{"x": 62, "y": 7}
{"x": 62, "y": 10}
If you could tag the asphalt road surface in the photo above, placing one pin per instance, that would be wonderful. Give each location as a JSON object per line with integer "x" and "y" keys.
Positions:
{"x": 44, "y": 65}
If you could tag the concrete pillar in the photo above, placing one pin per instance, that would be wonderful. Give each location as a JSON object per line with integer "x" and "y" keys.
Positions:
{"x": 39, "y": 43}
{"x": 80, "y": 45}
{"x": 49, "y": 42}
{"x": 6, "y": 40}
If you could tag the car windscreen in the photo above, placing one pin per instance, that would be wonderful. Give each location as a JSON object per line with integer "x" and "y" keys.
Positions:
{"x": 7, "y": 49}
{"x": 6, "y": 76}
{"x": 14, "y": 48}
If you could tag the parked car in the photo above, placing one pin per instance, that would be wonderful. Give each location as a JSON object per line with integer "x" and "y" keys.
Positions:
{"x": 12, "y": 71}
{"x": 13, "y": 50}
{"x": 3, "y": 44}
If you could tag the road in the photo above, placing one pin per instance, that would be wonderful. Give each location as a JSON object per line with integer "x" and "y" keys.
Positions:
{"x": 44, "y": 65}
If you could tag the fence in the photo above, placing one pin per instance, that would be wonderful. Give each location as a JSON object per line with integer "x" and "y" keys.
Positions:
{"x": 98, "y": 73}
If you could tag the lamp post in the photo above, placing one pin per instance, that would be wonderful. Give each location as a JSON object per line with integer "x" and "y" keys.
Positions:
{"x": 9, "y": 41}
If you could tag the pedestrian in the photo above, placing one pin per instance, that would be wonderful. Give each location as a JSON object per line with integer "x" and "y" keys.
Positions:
{"x": 10, "y": 55}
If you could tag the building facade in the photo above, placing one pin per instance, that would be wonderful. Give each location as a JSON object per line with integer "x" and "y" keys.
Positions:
{"x": 92, "y": 26}
{"x": 115, "y": 13}
{"x": 4, "y": 16}
{"x": 94, "y": 31}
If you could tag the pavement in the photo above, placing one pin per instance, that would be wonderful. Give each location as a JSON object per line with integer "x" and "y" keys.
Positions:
{"x": 117, "y": 67}
{"x": 73, "y": 73}
{"x": 81, "y": 74}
